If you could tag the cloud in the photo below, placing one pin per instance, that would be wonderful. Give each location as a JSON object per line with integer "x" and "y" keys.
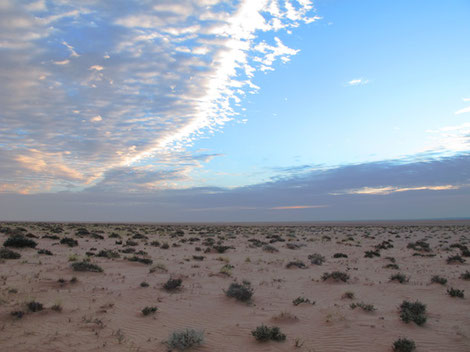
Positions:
{"x": 416, "y": 190}
{"x": 357, "y": 82}
{"x": 463, "y": 111}
{"x": 153, "y": 78}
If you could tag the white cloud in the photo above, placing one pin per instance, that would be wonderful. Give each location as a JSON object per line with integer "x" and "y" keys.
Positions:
{"x": 463, "y": 111}
{"x": 358, "y": 82}
{"x": 392, "y": 189}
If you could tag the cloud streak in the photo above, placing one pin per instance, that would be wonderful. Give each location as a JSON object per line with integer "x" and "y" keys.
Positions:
{"x": 147, "y": 84}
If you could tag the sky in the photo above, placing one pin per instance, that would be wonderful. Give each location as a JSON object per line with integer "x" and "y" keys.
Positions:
{"x": 248, "y": 110}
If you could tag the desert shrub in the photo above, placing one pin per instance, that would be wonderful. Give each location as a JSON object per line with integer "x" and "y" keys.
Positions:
{"x": 51, "y": 237}
{"x": 69, "y": 242}
{"x": 131, "y": 243}
{"x": 401, "y": 278}
{"x": 453, "y": 292}
{"x": 316, "y": 259}
{"x": 6, "y": 253}
{"x": 165, "y": 246}
{"x": 297, "y": 263}
{"x": 419, "y": 246}
{"x": 340, "y": 255}
{"x": 19, "y": 241}
{"x": 222, "y": 249}
{"x": 371, "y": 254}
{"x": 384, "y": 245}
{"x": 365, "y": 307}
{"x": 144, "y": 284}
{"x": 465, "y": 275}
{"x": 34, "y": 306}
{"x": 348, "y": 295}
{"x": 17, "y": 314}
{"x": 45, "y": 252}
{"x": 198, "y": 257}
{"x": 56, "y": 307}
{"x": 185, "y": 339}
{"x": 392, "y": 266}
{"x": 465, "y": 252}
{"x": 415, "y": 312}
{"x": 86, "y": 266}
{"x": 265, "y": 333}
{"x": 135, "y": 258}
{"x": 149, "y": 310}
{"x": 128, "y": 250}
{"x": 336, "y": 275}
{"x": 270, "y": 248}
{"x": 172, "y": 284}
{"x": 242, "y": 292}
{"x": 108, "y": 253}
{"x": 455, "y": 259}
{"x": 300, "y": 300}
{"x": 293, "y": 246}
{"x": 436, "y": 279}
{"x": 404, "y": 345}
{"x": 226, "y": 269}
{"x": 114, "y": 235}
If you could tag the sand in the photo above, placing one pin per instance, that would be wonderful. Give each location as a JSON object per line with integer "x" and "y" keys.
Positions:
{"x": 102, "y": 311}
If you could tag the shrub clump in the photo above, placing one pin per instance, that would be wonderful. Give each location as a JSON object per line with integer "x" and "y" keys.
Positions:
{"x": 453, "y": 292}
{"x": 465, "y": 275}
{"x": 135, "y": 258}
{"x": 149, "y": 310}
{"x": 86, "y": 266}
{"x": 242, "y": 292}
{"x": 300, "y": 300}
{"x": 415, "y": 312}
{"x": 34, "y": 306}
{"x": 365, "y": 307}
{"x": 19, "y": 241}
{"x": 404, "y": 345}
{"x": 185, "y": 339}
{"x": 69, "y": 242}
{"x": 436, "y": 279}
{"x": 316, "y": 259}
{"x": 340, "y": 255}
{"x": 6, "y": 253}
{"x": 265, "y": 333}
{"x": 371, "y": 254}
{"x": 401, "y": 278}
{"x": 172, "y": 284}
{"x": 455, "y": 259}
{"x": 297, "y": 263}
{"x": 108, "y": 253}
{"x": 336, "y": 275}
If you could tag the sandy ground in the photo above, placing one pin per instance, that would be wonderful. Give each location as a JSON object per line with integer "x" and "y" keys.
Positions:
{"x": 102, "y": 311}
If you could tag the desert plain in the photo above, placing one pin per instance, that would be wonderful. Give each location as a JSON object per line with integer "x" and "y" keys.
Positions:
{"x": 47, "y": 303}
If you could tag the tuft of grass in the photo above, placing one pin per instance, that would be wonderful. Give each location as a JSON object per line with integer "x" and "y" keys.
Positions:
{"x": 6, "y": 253}
{"x": 185, "y": 339}
{"x": 365, "y": 307}
{"x": 242, "y": 292}
{"x": 415, "y": 312}
{"x": 265, "y": 333}
{"x": 336, "y": 275}
{"x": 436, "y": 279}
{"x": 392, "y": 266}
{"x": 454, "y": 292}
{"x": 404, "y": 345}
{"x": 172, "y": 284}
{"x": 86, "y": 266}
{"x": 300, "y": 300}
{"x": 149, "y": 310}
{"x": 401, "y": 278}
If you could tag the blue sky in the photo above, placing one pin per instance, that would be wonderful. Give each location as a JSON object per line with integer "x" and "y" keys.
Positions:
{"x": 216, "y": 110}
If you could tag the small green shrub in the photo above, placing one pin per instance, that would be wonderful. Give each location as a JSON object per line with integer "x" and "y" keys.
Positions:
{"x": 69, "y": 242}
{"x": 392, "y": 266}
{"x": 340, "y": 255}
{"x": 265, "y": 333}
{"x": 455, "y": 259}
{"x": 436, "y": 279}
{"x": 401, "y": 278}
{"x": 348, "y": 295}
{"x": 6, "y": 253}
{"x": 45, "y": 252}
{"x": 242, "y": 292}
{"x": 17, "y": 314}
{"x": 453, "y": 292}
{"x": 172, "y": 284}
{"x": 371, "y": 254}
{"x": 404, "y": 345}
{"x": 108, "y": 253}
{"x": 86, "y": 266}
{"x": 465, "y": 275}
{"x": 316, "y": 259}
{"x": 336, "y": 275}
{"x": 365, "y": 307}
{"x": 149, "y": 310}
{"x": 185, "y": 339}
{"x": 270, "y": 248}
{"x": 415, "y": 312}
{"x": 300, "y": 300}
{"x": 135, "y": 258}
{"x": 297, "y": 263}
{"x": 34, "y": 306}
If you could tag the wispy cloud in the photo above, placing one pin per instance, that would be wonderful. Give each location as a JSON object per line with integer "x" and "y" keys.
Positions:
{"x": 463, "y": 111}
{"x": 152, "y": 79}
{"x": 358, "y": 82}
{"x": 391, "y": 189}
{"x": 294, "y": 207}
